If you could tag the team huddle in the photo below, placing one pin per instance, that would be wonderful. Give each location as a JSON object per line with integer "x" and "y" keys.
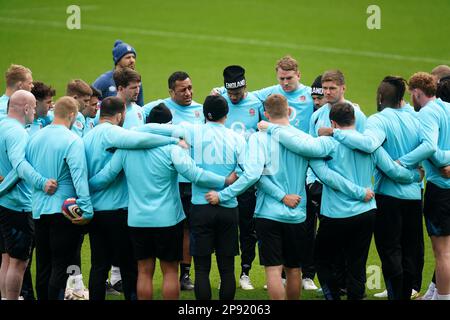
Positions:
{"x": 297, "y": 170}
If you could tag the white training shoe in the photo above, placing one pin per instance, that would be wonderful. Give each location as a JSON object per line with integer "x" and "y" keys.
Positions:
{"x": 245, "y": 282}
{"x": 382, "y": 294}
{"x": 308, "y": 284}
{"x": 414, "y": 294}
{"x": 430, "y": 292}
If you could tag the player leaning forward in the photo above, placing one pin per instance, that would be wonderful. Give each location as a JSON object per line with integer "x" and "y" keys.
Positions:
{"x": 155, "y": 216}
{"x": 347, "y": 218}
{"x": 16, "y": 225}
{"x": 55, "y": 151}
{"x": 281, "y": 198}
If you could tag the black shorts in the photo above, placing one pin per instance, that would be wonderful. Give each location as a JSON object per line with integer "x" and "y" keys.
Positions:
{"x": 437, "y": 210}
{"x": 165, "y": 243}
{"x": 186, "y": 196}
{"x": 214, "y": 228}
{"x": 281, "y": 243}
{"x": 16, "y": 233}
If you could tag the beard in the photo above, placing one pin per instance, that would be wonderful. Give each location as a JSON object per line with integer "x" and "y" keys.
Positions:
{"x": 415, "y": 103}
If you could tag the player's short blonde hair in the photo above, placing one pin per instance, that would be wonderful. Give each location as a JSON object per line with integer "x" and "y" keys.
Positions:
{"x": 287, "y": 63}
{"x": 335, "y": 76}
{"x": 276, "y": 106}
{"x": 78, "y": 87}
{"x": 15, "y": 74}
{"x": 65, "y": 106}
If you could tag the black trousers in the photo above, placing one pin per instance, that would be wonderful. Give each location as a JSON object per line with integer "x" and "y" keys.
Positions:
{"x": 110, "y": 241}
{"x": 247, "y": 232}
{"x": 399, "y": 241}
{"x": 57, "y": 240}
{"x": 314, "y": 199}
{"x": 350, "y": 236}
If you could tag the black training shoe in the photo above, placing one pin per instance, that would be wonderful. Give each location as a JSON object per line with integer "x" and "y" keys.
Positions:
{"x": 186, "y": 283}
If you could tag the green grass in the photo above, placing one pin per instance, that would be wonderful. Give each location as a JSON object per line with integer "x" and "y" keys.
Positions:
{"x": 203, "y": 36}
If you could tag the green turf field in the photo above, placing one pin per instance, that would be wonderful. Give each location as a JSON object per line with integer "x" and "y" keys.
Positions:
{"x": 203, "y": 36}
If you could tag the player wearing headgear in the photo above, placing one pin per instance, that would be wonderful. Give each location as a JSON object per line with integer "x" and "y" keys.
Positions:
{"x": 124, "y": 56}
{"x": 243, "y": 117}
{"x": 280, "y": 206}
{"x": 297, "y": 94}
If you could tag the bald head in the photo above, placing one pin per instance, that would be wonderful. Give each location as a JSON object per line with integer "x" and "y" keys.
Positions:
{"x": 21, "y": 106}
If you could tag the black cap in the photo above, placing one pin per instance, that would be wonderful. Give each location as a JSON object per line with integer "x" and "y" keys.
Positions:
{"x": 160, "y": 114}
{"x": 234, "y": 77}
{"x": 316, "y": 87}
{"x": 215, "y": 108}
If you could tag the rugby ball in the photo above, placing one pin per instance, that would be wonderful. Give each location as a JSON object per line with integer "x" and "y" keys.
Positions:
{"x": 70, "y": 209}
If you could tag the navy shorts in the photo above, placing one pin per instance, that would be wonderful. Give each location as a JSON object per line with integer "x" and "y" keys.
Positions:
{"x": 16, "y": 233}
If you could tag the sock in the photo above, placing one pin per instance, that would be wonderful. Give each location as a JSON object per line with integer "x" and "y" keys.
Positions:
{"x": 78, "y": 282}
{"x": 443, "y": 296}
{"x": 184, "y": 269}
{"x": 245, "y": 269}
{"x": 115, "y": 275}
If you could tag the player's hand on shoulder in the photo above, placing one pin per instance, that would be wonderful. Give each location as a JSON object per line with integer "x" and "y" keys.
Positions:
{"x": 324, "y": 131}
{"x": 215, "y": 92}
{"x": 263, "y": 125}
{"x": 183, "y": 144}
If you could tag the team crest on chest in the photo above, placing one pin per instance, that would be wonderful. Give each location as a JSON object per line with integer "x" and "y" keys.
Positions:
{"x": 302, "y": 98}
{"x": 79, "y": 124}
{"x": 252, "y": 112}
{"x": 140, "y": 116}
{"x": 197, "y": 114}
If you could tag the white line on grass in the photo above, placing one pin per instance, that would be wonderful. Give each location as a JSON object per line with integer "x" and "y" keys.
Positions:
{"x": 231, "y": 40}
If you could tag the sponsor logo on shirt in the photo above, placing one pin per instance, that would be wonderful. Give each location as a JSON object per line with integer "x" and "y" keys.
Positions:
{"x": 252, "y": 112}
{"x": 79, "y": 124}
